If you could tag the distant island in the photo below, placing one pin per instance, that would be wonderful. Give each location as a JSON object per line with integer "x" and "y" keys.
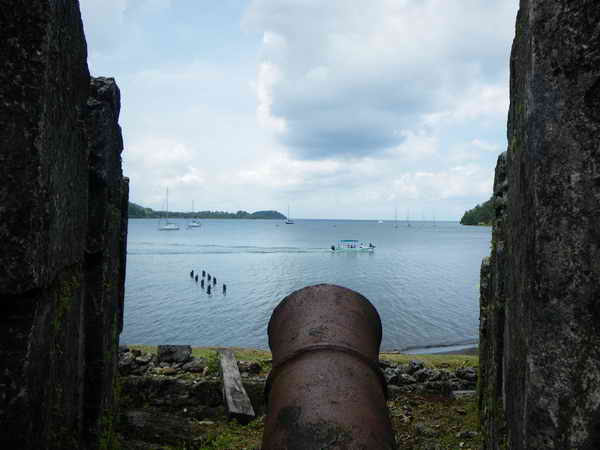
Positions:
{"x": 136, "y": 211}
{"x": 480, "y": 215}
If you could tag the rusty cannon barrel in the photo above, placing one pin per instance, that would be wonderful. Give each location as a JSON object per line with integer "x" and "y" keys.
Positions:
{"x": 326, "y": 390}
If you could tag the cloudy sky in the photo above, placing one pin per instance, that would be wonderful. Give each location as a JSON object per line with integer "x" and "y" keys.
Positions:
{"x": 338, "y": 108}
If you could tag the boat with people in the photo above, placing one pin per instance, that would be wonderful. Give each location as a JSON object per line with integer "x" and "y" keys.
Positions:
{"x": 167, "y": 226}
{"x": 352, "y": 245}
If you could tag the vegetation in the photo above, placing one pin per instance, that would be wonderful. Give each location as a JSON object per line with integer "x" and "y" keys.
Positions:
{"x": 438, "y": 361}
{"x": 263, "y": 357}
{"x": 427, "y": 421}
{"x": 420, "y": 421}
{"x": 480, "y": 215}
{"x": 136, "y": 211}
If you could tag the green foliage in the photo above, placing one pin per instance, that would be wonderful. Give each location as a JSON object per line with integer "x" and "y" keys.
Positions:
{"x": 233, "y": 436}
{"x": 213, "y": 364}
{"x": 136, "y": 211}
{"x": 480, "y": 215}
{"x": 139, "y": 212}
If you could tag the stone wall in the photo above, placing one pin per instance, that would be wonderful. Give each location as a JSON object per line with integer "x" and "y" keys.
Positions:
{"x": 62, "y": 227}
{"x": 541, "y": 361}
{"x": 492, "y": 314}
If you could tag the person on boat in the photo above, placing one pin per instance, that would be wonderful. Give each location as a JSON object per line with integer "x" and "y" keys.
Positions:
{"x": 196, "y": 278}
{"x": 208, "y": 290}
{"x": 202, "y": 283}
{"x": 192, "y": 274}
{"x": 203, "y": 274}
{"x": 224, "y": 288}
{"x": 333, "y": 248}
{"x": 214, "y": 280}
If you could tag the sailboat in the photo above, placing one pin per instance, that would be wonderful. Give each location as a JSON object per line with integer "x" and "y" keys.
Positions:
{"x": 168, "y": 226}
{"x": 288, "y": 220}
{"x": 195, "y": 223}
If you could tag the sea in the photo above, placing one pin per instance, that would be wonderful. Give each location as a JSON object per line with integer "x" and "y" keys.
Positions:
{"x": 423, "y": 279}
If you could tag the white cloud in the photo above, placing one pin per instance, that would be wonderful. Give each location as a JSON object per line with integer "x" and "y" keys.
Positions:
{"x": 455, "y": 182}
{"x": 268, "y": 76}
{"x": 342, "y": 108}
{"x": 362, "y": 70}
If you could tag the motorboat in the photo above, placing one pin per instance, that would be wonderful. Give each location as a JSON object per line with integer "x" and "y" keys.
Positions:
{"x": 352, "y": 245}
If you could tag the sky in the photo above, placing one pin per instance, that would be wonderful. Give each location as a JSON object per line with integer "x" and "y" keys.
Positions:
{"x": 339, "y": 109}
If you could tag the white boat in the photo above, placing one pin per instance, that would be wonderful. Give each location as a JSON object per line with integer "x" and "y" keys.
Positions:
{"x": 352, "y": 245}
{"x": 195, "y": 223}
{"x": 167, "y": 226}
{"x": 288, "y": 221}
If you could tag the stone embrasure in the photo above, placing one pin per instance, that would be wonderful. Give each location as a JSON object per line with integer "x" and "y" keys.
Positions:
{"x": 540, "y": 290}
{"x": 63, "y": 225}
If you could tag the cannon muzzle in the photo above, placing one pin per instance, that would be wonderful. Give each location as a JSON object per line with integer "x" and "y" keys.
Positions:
{"x": 326, "y": 389}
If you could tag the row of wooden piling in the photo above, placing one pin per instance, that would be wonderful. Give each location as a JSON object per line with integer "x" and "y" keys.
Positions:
{"x": 211, "y": 281}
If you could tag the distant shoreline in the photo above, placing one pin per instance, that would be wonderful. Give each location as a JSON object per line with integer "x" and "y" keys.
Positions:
{"x": 207, "y": 218}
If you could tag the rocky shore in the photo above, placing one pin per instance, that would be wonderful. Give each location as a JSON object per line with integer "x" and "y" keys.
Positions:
{"x": 172, "y": 398}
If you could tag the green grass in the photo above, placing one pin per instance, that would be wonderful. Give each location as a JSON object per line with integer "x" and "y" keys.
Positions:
{"x": 452, "y": 361}
{"x": 445, "y": 417}
{"x": 438, "y": 361}
{"x": 242, "y": 354}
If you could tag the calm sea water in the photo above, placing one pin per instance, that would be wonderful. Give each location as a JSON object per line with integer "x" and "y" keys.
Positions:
{"x": 423, "y": 279}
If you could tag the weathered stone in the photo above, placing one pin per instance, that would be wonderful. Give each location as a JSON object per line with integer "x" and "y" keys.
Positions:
{"x": 425, "y": 374}
{"x": 126, "y": 362}
{"x": 59, "y": 321}
{"x": 143, "y": 359}
{"x": 174, "y": 353}
{"x": 384, "y": 364}
{"x": 492, "y": 320}
{"x": 440, "y": 387}
{"x": 540, "y": 329}
{"x": 105, "y": 247}
{"x": 160, "y": 427}
{"x": 463, "y": 394}
{"x": 467, "y": 373}
{"x": 415, "y": 365}
{"x": 390, "y": 375}
{"x": 194, "y": 366}
{"x": 404, "y": 379}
